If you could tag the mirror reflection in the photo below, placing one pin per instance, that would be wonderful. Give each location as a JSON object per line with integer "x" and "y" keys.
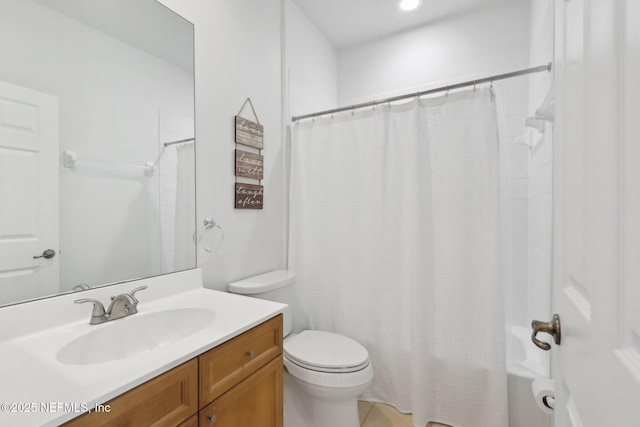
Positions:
{"x": 97, "y": 180}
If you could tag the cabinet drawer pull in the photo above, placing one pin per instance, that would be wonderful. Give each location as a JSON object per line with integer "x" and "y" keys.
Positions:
{"x": 212, "y": 419}
{"x": 251, "y": 354}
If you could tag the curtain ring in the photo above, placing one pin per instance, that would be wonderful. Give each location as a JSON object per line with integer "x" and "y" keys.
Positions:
{"x": 210, "y": 224}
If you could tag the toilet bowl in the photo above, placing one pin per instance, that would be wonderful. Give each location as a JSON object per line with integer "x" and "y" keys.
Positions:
{"x": 324, "y": 373}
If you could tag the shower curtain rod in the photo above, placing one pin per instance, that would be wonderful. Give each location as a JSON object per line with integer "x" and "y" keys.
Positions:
{"x": 447, "y": 88}
{"x": 166, "y": 144}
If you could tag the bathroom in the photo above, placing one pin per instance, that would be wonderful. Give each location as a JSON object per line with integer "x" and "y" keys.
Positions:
{"x": 275, "y": 53}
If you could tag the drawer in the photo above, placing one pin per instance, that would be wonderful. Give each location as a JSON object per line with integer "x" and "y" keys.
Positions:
{"x": 166, "y": 400}
{"x": 226, "y": 365}
{"x": 256, "y": 401}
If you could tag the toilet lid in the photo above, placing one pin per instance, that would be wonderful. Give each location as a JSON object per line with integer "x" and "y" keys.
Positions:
{"x": 326, "y": 351}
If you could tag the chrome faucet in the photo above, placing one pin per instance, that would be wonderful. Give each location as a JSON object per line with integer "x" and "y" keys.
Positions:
{"x": 122, "y": 305}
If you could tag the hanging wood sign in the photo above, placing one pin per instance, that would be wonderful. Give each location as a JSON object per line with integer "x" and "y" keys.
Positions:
{"x": 249, "y": 133}
{"x": 249, "y": 196}
{"x": 249, "y": 165}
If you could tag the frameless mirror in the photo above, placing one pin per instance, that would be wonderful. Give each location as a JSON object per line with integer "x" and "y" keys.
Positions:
{"x": 97, "y": 180}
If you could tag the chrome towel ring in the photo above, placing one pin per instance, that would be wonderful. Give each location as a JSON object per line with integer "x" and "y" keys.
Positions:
{"x": 208, "y": 225}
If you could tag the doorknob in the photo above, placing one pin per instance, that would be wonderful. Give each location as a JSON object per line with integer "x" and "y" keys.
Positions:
{"x": 47, "y": 254}
{"x": 552, "y": 328}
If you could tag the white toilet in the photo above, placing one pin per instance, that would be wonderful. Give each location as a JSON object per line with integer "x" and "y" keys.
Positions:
{"x": 325, "y": 372}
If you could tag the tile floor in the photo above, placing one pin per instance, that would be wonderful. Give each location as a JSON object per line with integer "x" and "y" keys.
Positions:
{"x": 381, "y": 415}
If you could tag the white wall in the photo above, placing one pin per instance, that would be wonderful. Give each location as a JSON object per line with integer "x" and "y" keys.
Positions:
{"x": 311, "y": 64}
{"x": 109, "y": 223}
{"x": 488, "y": 41}
{"x": 238, "y": 55}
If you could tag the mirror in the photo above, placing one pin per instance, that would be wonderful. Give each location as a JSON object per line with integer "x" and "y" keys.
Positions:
{"x": 94, "y": 97}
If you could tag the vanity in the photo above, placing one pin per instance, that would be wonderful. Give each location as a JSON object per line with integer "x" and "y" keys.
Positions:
{"x": 236, "y": 383}
{"x": 224, "y": 368}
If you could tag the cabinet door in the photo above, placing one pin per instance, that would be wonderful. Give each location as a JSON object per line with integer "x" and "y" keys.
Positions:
{"x": 257, "y": 401}
{"x": 166, "y": 400}
{"x": 191, "y": 422}
{"x": 226, "y": 365}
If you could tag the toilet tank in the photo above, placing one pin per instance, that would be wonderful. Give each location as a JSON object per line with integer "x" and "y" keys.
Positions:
{"x": 275, "y": 286}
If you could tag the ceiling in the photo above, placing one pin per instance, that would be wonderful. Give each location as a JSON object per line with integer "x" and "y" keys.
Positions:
{"x": 347, "y": 22}
{"x": 146, "y": 25}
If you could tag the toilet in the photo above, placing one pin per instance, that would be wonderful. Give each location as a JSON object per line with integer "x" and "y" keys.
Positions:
{"x": 324, "y": 372}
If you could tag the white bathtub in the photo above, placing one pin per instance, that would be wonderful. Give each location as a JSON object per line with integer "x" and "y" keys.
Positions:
{"x": 525, "y": 362}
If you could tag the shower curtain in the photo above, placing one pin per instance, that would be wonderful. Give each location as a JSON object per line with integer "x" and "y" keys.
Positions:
{"x": 395, "y": 237}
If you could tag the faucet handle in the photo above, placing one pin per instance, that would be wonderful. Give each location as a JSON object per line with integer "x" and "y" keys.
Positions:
{"x": 98, "y": 314}
{"x": 141, "y": 288}
{"x": 98, "y": 308}
{"x": 133, "y": 307}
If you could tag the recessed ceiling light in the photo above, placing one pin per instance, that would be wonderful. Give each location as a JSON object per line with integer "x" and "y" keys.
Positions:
{"x": 409, "y": 5}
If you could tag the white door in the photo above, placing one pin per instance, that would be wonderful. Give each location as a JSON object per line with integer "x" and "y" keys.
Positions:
{"x": 596, "y": 279}
{"x": 28, "y": 193}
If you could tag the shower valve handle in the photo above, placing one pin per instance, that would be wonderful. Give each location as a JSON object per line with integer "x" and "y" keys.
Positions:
{"x": 552, "y": 328}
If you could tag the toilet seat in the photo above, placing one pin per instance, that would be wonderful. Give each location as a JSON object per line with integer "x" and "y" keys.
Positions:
{"x": 327, "y": 359}
{"x": 342, "y": 380}
{"x": 326, "y": 352}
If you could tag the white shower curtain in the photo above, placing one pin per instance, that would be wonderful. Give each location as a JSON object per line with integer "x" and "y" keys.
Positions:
{"x": 395, "y": 236}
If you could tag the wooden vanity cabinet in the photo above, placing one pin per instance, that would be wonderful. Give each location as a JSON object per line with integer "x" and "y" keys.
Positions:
{"x": 167, "y": 400}
{"x": 238, "y": 383}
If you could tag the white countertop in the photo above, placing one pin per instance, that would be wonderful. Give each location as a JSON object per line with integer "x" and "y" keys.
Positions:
{"x": 35, "y": 387}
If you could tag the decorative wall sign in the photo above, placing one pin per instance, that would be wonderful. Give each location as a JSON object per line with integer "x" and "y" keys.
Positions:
{"x": 249, "y": 165}
{"x": 249, "y": 133}
{"x": 249, "y": 196}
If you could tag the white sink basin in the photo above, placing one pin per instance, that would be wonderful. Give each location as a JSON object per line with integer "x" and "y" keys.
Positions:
{"x": 134, "y": 334}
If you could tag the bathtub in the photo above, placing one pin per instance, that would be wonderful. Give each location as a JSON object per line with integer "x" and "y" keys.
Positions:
{"x": 525, "y": 362}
